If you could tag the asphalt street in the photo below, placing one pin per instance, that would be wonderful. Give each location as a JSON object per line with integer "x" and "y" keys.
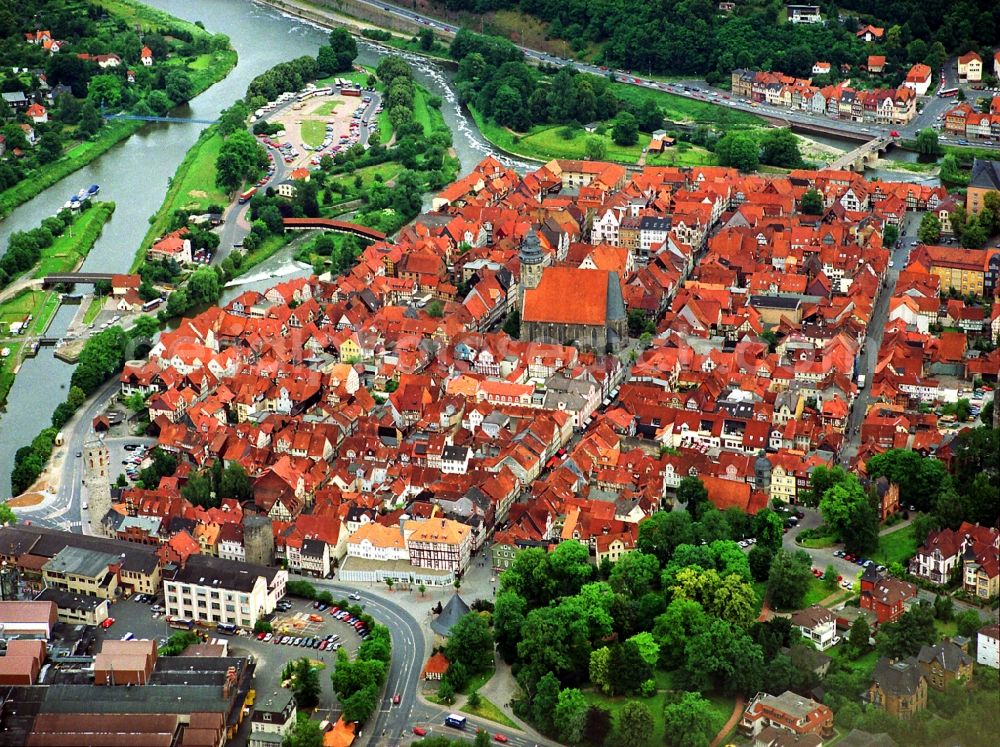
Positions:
{"x": 393, "y": 725}
{"x": 875, "y": 330}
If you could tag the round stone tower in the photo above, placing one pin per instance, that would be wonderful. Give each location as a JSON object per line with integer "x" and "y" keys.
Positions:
{"x": 97, "y": 480}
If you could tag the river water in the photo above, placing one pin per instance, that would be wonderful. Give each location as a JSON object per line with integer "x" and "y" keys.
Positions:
{"x": 135, "y": 174}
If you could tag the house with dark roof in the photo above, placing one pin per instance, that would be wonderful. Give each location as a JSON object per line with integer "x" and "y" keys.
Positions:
{"x": 984, "y": 180}
{"x": 818, "y": 625}
{"x": 898, "y": 687}
{"x": 945, "y": 663}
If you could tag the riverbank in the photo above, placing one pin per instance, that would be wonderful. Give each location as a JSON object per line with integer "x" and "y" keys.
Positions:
{"x": 28, "y": 299}
{"x": 204, "y": 70}
{"x": 191, "y": 187}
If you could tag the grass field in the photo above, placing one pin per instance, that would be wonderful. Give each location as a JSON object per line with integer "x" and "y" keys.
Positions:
{"x": 682, "y": 109}
{"x": 313, "y": 132}
{"x": 420, "y": 109}
{"x": 76, "y": 242}
{"x": 489, "y": 710}
{"x": 7, "y": 366}
{"x": 192, "y": 188}
{"x": 197, "y": 189}
{"x": 614, "y": 705}
{"x": 896, "y": 547}
{"x": 721, "y": 706}
{"x": 148, "y": 19}
{"x": 96, "y": 304}
{"x": 683, "y": 154}
{"x": 267, "y": 249}
{"x": 326, "y": 108}
{"x": 548, "y": 142}
{"x": 545, "y": 142}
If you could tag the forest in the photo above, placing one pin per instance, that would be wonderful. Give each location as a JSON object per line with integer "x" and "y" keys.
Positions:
{"x": 692, "y": 37}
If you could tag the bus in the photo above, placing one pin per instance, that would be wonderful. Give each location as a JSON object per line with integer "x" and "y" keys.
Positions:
{"x": 226, "y": 628}
{"x": 180, "y": 623}
{"x": 948, "y": 92}
{"x": 454, "y": 721}
{"x": 245, "y": 197}
{"x": 150, "y": 305}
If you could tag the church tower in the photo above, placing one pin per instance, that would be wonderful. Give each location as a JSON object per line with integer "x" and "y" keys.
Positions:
{"x": 97, "y": 479}
{"x": 762, "y": 472}
{"x": 532, "y": 258}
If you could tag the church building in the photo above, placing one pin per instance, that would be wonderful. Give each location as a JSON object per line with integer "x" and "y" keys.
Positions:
{"x": 571, "y": 306}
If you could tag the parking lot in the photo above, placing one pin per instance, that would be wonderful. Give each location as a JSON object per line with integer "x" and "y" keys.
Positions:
{"x": 302, "y": 621}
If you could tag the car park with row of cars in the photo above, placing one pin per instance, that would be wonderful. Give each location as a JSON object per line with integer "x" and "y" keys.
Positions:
{"x": 329, "y": 642}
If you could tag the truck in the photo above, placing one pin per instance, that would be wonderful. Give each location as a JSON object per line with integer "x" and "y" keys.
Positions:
{"x": 245, "y": 196}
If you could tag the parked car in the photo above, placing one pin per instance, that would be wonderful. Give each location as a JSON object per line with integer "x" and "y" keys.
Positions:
{"x": 107, "y": 622}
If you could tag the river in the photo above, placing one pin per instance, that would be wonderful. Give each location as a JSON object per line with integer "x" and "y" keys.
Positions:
{"x": 135, "y": 174}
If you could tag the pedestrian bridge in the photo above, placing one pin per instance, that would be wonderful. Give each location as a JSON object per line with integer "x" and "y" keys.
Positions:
{"x": 863, "y": 155}
{"x": 150, "y": 118}
{"x": 338, "y": 226}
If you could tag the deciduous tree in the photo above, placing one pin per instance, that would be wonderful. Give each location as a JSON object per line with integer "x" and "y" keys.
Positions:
{"x": 688, "y": 722}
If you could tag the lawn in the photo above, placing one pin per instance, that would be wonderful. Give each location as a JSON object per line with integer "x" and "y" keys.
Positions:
{"x": 197, "y": 188}
{"x": 420, "y": 109}
{"x": 488, "y": 710}
{"x": 721, "y": 705}
{"x": 192, "y": 188}
{"x": 614, "y": 705}
{"x": 326, "y": 108}
{"x": 896, "y": 547}
{"x": 387, "y": 171}
{"x": 96, "y": 304}
{"x": 549, "y": 142}
{"x": 545, "y": 142}
{"x": 818, "y": 591}
{"x": 42, "y": 305}
{"x": 722, "y": 709}
{"x": 682, "y": 109}
{"x": 76, "y": 242}
{"x": 477, "y": 682}
{"x": 313, "y": 132}
{"x": 683, "y": 154}
{"x": 7, "y": 366}
{"x": 267, "y": 249}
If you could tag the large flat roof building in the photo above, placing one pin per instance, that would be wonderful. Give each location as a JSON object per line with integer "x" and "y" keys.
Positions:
{"x": 213, "y": 590}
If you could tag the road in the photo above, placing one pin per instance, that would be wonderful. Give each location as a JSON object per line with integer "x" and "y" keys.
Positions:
{"x": 393, "y": 724}
{"x": 235, "y": 226}
{"x": 875, "y": 328}
{"x": 701, "y": 91}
